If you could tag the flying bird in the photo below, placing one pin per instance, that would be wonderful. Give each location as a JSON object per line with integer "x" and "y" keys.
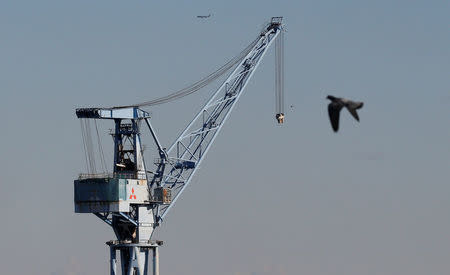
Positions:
{"x": 334, "y": 108}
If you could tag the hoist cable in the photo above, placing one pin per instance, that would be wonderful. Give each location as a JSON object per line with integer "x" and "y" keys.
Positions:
{"x": 100, "y": 149}
{"x": 83, "y": 137}
{"x": 279, "y": 74}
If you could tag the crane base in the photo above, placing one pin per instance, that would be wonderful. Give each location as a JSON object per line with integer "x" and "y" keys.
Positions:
{"x": 134, "y": 257}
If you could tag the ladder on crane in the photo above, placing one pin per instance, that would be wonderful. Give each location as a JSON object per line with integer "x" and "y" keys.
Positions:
{"x": 133, "y": 200}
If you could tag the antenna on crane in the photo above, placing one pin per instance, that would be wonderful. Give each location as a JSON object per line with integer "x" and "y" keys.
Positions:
{"x": 133, "y": 200}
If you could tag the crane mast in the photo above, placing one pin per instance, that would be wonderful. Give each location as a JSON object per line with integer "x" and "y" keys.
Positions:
{"x": 134, "y": 200}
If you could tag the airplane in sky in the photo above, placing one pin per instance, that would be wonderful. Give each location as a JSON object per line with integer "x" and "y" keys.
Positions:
{"x": 204, "y": 16}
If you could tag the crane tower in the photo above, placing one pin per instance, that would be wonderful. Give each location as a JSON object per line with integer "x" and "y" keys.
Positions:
{"x": 134, "y": 200}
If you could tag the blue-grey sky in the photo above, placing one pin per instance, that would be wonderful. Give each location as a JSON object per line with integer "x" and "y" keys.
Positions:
{"x": 297, "y": 199}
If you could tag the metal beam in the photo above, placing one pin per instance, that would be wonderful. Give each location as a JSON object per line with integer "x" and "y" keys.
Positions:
{"x": 112, "y": 113}
{"x": 162, "y": 153}
{"x": 202, "y": 131}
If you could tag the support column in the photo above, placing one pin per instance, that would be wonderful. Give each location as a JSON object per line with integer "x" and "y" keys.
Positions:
{"x": 155, "y": 261}
{"x": 113, "y": 261}
{"x": 132, "y": 261}
{"x": 134, "y": 257}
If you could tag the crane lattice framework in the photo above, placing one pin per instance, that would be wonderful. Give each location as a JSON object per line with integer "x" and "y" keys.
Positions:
{"x": 134, "y": 200}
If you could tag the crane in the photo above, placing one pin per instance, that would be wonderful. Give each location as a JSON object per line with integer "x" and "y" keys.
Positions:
{"x": 134, "y": 200}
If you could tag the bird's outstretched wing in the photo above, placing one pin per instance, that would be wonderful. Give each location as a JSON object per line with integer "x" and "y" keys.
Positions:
{"x": 352, "y": 107}
{"x": 333, "y": 112}
{"x": 354, "y": 113}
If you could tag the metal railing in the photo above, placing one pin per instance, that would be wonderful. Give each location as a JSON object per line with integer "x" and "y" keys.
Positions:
{"x": 117, "y": 175}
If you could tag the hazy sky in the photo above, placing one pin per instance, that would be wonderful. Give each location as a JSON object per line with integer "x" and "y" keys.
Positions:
{"x": 297, "y": 199}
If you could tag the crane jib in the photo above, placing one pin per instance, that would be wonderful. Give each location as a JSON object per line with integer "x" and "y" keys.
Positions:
{"x": 133, "y": 198}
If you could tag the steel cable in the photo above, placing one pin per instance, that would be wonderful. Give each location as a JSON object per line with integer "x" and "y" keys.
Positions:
{"x": 100, "y": 149}
{"x": 199, "y": 84}
{"x": 279, "y": 74}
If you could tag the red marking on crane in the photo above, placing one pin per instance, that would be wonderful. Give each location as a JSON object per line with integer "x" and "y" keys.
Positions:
{"x": 132, "y": 196}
